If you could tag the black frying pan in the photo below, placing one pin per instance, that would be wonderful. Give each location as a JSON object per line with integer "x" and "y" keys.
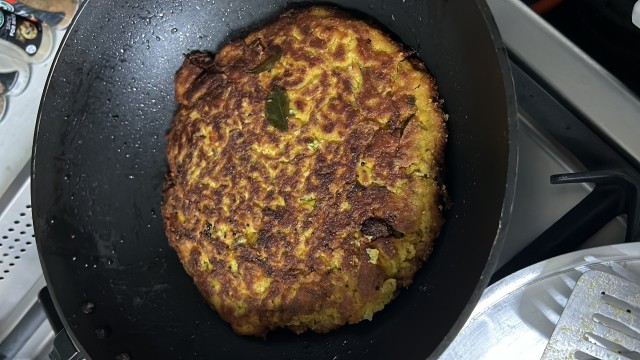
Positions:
{"x": 99, "y": 161}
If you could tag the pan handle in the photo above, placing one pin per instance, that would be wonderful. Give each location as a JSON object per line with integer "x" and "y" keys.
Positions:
{"x": 63, "y": 348}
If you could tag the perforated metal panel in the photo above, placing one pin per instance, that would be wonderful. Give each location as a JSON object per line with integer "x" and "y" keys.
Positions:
{"x": 16, "y": 239}
{"x": 20, "y": 273}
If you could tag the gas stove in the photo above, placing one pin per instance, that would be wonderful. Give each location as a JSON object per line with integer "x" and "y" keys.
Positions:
{"x": 573, "y": 117}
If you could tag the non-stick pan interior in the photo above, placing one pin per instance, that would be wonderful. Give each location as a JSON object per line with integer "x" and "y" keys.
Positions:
{"x": 99, "y": 163}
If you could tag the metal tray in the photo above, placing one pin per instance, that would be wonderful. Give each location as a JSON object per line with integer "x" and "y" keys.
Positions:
{"x": 517, "y": 315}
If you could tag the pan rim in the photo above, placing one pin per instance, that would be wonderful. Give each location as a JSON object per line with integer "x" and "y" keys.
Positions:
{"x": 510, "y": 181}
{"x": 507, "y": 203}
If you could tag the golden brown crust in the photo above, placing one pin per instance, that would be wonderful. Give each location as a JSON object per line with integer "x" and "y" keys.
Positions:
{"x": 319, "y": 225}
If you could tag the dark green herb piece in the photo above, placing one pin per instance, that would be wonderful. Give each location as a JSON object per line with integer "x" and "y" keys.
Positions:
{"x": 276, "y": 109}
{"x": 313, "y": 145}
{"x": 268, "y": 63}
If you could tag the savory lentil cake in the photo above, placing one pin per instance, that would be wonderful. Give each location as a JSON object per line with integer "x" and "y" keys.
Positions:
{"x": 304, "y": 165}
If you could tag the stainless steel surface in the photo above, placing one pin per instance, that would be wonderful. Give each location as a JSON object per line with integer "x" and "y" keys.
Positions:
{"x": 605, "y": 102}
{"x": 517, "y": 315}
{"x": 20, "y": 273}
{"x": 600, "y": 320}
{"x": 538, "y": 204}
{"x": 16, "y": 129}
{"x": 39, "y": 345}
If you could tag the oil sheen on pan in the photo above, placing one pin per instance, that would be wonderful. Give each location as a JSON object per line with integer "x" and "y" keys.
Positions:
{"x": 304, "y": 172}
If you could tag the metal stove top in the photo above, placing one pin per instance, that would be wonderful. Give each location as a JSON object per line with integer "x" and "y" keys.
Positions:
{"x": 563, "y": 96}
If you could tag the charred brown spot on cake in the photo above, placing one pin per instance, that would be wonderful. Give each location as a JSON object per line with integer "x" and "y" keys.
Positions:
{"x": 376, "y": 228}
